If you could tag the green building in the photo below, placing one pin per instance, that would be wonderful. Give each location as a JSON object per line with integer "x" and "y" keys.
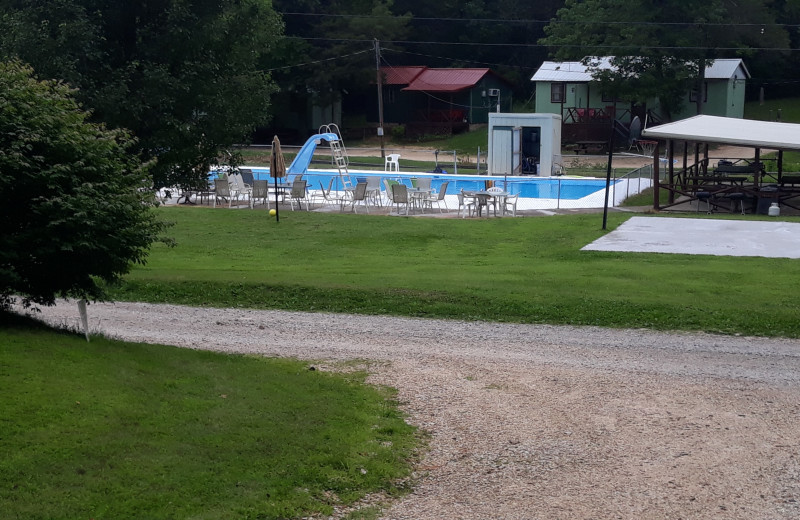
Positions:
{"x": 567, "y": 88}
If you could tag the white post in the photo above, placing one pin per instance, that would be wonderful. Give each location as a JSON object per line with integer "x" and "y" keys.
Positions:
{"x": 84, "y": 317}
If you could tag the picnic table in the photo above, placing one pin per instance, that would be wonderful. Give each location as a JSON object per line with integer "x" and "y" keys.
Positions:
{"x": 590, "y": 147}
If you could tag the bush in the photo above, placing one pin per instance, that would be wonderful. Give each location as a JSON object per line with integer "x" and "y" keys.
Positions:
{"x": 75, "y": 206}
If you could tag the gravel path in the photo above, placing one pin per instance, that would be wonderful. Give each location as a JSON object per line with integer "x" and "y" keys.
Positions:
{"x": 544, "y": 422}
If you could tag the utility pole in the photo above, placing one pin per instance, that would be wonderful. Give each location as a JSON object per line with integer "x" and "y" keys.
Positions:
{"x": 380, "y": 94}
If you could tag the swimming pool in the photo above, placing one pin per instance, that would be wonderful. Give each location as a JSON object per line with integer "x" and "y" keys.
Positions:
{"x": 525, "y": 187}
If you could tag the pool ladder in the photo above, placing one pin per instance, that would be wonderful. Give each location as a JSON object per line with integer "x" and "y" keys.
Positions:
{"x": 339, "y": 153}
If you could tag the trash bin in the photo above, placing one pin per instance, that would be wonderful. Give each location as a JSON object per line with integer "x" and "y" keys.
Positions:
{"x": 766, "y": 196}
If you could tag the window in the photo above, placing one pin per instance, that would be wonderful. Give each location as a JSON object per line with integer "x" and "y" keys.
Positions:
{"x": 608, "y": 98}
{"x": 693, "y": 94}
{"x": 557, "y": 92}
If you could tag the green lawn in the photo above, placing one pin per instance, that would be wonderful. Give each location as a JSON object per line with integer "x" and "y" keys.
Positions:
{"x": 110, "y": 429}
{"x": 528, "y": 270}
{"x": 789, "y": 109}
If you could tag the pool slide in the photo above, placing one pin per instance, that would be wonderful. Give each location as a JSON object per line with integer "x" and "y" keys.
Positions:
{"x": 303, "y": 158}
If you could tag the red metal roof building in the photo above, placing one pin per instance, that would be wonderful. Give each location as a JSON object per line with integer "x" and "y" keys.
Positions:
{"x": 432, "y": 100}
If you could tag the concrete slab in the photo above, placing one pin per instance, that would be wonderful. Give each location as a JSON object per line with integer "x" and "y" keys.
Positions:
{"x": 703, "y": 237}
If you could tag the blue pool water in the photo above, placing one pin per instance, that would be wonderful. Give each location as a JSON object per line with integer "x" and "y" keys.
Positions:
{"x": 529, "y": 187}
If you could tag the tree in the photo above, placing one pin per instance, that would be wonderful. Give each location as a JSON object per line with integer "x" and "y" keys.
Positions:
{"x": 73, "y": 202}
{"x": 182, "y": 75}
{"x": 659, "y": 48}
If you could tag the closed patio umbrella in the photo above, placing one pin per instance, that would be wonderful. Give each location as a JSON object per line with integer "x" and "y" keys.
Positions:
{"x": 277, "y": 168}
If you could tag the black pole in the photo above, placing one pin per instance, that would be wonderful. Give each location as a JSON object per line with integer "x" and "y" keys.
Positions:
{"x": 608, "y": 170}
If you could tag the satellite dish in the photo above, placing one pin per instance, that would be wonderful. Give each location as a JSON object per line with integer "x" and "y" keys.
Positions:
{"x": 635, "y": 130}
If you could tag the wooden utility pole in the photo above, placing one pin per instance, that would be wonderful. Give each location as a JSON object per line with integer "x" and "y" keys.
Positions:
{"x": 379, "y": 81}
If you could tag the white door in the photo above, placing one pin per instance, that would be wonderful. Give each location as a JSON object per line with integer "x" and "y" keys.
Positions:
{"x": 502, "y": 149}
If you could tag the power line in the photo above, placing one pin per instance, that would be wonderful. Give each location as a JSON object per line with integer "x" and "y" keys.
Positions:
{"x": 543, "y": 22}
{"x": 561, "y": 46}
{"x": 504, "y": 65}
{"x": 316, "y": 61}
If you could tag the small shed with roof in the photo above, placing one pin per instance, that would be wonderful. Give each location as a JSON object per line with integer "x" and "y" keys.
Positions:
{"x": 432, "y": 100}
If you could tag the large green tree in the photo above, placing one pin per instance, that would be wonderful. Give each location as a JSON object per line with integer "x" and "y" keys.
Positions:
{"x": 72, "y": 198}
{"x": 659, "y": 47}
{"x": 182, "y": 75}
{"x": 328, "y": 49}
{"x": 501, "y": 34}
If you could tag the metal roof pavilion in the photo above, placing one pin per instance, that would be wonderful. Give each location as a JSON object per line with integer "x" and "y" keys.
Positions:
{"x": 725, "y": 130}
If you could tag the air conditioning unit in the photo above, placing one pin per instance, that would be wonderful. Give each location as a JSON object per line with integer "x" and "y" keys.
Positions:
{"x": 494, "y": 92}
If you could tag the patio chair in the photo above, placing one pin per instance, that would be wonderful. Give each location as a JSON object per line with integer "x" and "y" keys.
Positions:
{"x": 247, "y": 176}
{"x": 400, "y": 196}
{"x": 387, "y": 184}
{"x": 238, "y": 187}
{"x": 438, "y": 198}
{"x": 359, "y": 195}
{"x": 298, "y": 194}
{"x": 325, "y": 196}
{"x": 423, "y": 183}
{"x": 392, "y": 162}
{"x": 260, "y": 192}
{"x": 465, "y": 203}
{"x": 510, "y": 202}
{"x": 374, "y": 190}
{"x": 493, "y": 200}
{"x": 482, "y": 200}
{"x": 222, "y": 191}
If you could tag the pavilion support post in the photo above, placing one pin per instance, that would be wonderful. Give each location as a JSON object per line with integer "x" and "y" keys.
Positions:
{"x": 656, "y": 178}
{"x": 757, "y": 161}
{"x": 671, "y": 170}
{"x": 705, "y": 158}
{"x": 780, "y": 165}
{"x": 697, "y": 159}
{"x": 684, "y": 170}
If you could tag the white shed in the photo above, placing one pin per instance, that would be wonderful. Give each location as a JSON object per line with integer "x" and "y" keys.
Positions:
{"x": 521, "y": 144}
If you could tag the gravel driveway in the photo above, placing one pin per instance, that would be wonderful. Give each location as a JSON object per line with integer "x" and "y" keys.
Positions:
{"x": 544, "y": 422}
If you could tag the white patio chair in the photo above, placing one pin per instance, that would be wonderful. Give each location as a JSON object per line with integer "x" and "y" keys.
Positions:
{"x": 465, "y": 204}
{"x": 510, "y": 202}
{"x": 392, "y": 162}
{"x": 493, "y": 201}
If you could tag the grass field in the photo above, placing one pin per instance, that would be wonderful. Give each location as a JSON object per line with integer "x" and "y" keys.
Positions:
{"x": 527, "y": 270}
{"x": 788, "y": 108}
{"x": 110, "y": 429}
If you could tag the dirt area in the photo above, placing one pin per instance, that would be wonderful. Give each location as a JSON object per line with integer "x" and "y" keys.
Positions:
{"x": 542, "y": 422}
